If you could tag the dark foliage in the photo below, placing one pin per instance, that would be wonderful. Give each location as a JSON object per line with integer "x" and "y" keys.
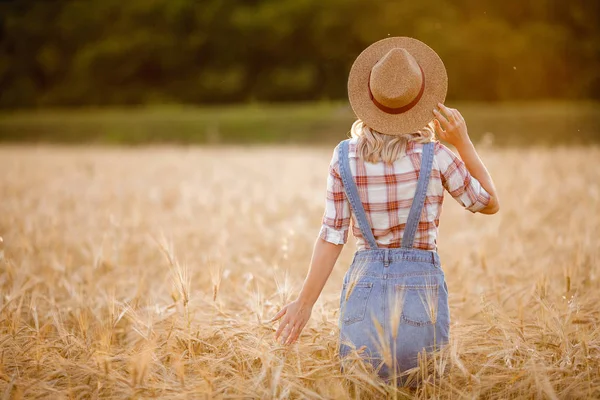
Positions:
{"x": 74, "y": 52}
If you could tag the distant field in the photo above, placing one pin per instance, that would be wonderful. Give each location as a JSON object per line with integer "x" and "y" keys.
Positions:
{"x": 151, "y": 272}
{"x": 313, "y": 123}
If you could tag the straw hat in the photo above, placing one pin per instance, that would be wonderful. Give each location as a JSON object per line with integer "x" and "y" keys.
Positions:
{"x": 395, "y": 84}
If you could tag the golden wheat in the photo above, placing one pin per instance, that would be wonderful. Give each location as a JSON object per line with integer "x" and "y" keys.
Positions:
{"x": 151, "y": 272}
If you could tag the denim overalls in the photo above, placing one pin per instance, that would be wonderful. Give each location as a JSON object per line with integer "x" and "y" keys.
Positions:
{"x": 399, "y": 293}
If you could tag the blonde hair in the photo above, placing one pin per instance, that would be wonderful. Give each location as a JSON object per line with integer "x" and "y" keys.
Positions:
{"x": 373, "y": 146}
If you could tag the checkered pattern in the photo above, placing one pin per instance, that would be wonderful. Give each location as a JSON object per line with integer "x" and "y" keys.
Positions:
{"x": 387, "y": 191}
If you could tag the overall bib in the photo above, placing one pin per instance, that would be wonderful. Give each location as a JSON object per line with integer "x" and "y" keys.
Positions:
{"x": 397, "y": 293}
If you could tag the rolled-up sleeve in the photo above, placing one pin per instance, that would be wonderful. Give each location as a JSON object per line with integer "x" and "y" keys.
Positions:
{"x": 336, "y": 218}
{"x": 457, "y": 180}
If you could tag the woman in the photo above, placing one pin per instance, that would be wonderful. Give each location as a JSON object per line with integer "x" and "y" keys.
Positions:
{"x": 388, "y": 179}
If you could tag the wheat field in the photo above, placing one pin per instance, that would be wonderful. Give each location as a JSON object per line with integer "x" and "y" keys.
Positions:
{"x": 152, "y": 272}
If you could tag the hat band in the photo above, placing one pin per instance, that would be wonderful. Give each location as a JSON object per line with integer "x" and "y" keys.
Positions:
{"x": 398, "y": 110}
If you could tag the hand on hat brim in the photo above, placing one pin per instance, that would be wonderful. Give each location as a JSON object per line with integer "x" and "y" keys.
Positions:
{"x": 451, "y": 127}
{"x": 446, "y": 112}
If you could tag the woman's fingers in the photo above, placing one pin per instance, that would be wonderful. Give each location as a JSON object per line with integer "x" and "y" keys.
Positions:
{"x": 292, "y": 323}
{"x": 450, "y": 127}
{"x": 453, "y": 114}
{"x": 450, "y": 120}
{"x": 446, "y": 111}
{"x": 441, "y": 119}
{"x": 290, "y": 334}
{"x": 285, "y": 333}
{"x": 297, "y": 332}
{"x": 283, "y": 324}
{"x": 457, "y": 115}
{"x": 279, "y": 314}
{"x": 438, "y": 128}
{"x": 440, "y": 116}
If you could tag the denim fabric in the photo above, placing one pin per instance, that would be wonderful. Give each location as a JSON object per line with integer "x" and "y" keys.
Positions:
{"x": 401, "y": 290}
{"x": 410, "y": 291}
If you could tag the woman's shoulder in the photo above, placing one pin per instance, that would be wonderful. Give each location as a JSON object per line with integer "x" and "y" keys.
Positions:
{"x": 443, "y": 151}
{"x": 442, "y": 155}
{"x": 352, "y": 143}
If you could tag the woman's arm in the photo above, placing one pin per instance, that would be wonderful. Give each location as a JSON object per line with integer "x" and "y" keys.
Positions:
{"x": 297, "y": 313}
{"x": 477, "y": 169}
{"x": 324, "y": 256}
{"x": 327, "y": 248}
{"x": 452, "y": 128}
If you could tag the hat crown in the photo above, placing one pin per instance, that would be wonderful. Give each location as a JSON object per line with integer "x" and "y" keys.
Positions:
{"x": 396, "y": 79}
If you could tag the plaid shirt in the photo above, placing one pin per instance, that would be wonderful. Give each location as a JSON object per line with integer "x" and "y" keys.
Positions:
{"x": 387, "y": 190}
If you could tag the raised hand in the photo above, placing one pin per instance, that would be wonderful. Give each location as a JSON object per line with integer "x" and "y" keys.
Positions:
{"x": 450, "y": 126}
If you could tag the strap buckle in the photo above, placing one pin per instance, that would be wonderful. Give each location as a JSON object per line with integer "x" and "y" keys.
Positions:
{"x": 386, "y": 257}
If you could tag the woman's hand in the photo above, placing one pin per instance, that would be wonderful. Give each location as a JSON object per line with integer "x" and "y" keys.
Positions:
{"x": 296, "y": 316}
{"x": 451, "y": 127}
{"x": 298, "y": 311}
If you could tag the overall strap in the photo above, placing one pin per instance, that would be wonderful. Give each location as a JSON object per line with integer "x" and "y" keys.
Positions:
{"x": 352, "y": 195}
{"x": 419, "y": 200}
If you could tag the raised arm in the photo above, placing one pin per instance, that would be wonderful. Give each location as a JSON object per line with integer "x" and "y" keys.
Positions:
{"x": 451, "y": 127}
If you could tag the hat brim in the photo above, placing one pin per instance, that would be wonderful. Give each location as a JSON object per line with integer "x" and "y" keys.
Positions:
{"x": 436, "y": 86}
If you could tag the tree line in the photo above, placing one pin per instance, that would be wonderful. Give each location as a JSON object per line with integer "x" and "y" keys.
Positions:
{"x": 113, "y": 52}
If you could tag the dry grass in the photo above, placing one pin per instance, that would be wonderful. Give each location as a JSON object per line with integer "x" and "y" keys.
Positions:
{"x": 137, "y": 273}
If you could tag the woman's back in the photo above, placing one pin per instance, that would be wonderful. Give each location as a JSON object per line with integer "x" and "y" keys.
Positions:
{"x": 386, "y": 191}
{"x": 394, "y": 302}
{"x": 389, "y": 180}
